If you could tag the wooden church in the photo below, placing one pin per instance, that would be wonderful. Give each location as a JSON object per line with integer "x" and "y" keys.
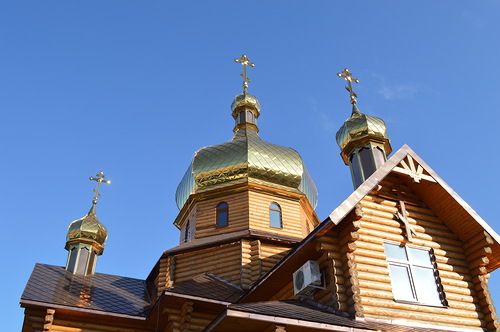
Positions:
{"x": 402, "y": 253}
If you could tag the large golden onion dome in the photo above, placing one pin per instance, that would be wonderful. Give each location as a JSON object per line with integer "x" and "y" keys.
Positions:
{"x": 87, "y": 229}
{"x": 360, "y": 128}
{"x": 246, "y": 158}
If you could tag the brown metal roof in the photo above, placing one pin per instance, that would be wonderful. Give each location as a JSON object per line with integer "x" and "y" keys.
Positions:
{"x": 53, "y": 285}
{"x": 204, "y": 242}
{"x": 309, "y": 315}
{"x": 298, "y": 310}
{"x": 209, "y": 286}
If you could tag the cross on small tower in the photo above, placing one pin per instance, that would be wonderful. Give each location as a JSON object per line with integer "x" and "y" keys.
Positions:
{"x": 245, "y": 62}
{"x": 99, "y": 178}
{"x": 347, "y": 75}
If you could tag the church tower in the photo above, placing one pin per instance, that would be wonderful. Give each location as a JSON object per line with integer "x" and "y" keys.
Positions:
{"x": 86, "y": 237}
{"x": 362, "y": 139}
{"x": 243, "y": 204}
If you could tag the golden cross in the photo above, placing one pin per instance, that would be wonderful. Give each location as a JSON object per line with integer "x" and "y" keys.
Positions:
{"x": 99, "y": 178}
{"x": 245, "y": 62}
{"x": 347, "y": 75}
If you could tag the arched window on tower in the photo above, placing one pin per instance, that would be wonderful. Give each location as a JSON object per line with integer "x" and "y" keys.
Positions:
{"x": 275, "y": 216}
{"x": 187, "y": 232}
{"x": 222, "y": 214}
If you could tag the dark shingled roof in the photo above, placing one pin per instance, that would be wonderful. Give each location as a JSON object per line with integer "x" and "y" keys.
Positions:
{"x": 300, "y": 310}
{"x": 50, "y": 284}
{"x": 208, "y": 286}
{"x": 315, "y": 312}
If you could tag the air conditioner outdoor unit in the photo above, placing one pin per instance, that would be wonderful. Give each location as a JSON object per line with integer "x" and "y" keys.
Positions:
{"x": 307, "y": 278}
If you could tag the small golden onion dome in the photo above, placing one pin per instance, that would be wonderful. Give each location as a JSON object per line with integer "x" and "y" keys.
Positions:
{"x": 360, "y": 128}
{"x": 87, "y": 229}
{"x": 246, "y": 158}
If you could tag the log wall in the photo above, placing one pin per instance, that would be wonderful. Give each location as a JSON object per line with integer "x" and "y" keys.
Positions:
{"x": 477, "y": 249}
{"x": 258, "y": 257}
{"x": 366, "y": 258}
{"x": 270, "y": 254}
{"x": 238, "y": 215}
{"x": 187, "y": 318}
{"x": 223, "y": 260}
{"x": 259, "y": 203}
{"x": 164, "y": 278}
{"x": 309, "y": 220}
{"x": 333, "y": 266}
{"x": 251, "y": 262}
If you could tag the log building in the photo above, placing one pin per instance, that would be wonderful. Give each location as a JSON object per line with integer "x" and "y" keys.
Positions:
{"x": 402, "y": 253}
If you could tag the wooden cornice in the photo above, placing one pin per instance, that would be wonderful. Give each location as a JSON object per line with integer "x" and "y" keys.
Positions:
{"x": 216, "y": 240}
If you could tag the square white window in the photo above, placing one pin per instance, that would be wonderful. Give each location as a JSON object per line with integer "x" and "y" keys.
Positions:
{"x": 413, "y": 275}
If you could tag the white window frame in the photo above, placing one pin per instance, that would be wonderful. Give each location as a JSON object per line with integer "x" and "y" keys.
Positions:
{"x": 410, "y": 265}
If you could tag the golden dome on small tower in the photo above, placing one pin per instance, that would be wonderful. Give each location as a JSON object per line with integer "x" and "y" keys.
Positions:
{"x": 363, "y": 141}
{"x": 86, "y": 236}
{"x": 87, "y": 229}
{"x": 360, "y": 128}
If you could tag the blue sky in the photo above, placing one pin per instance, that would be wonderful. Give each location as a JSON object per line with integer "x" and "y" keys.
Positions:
{"x": 136, "y": 87}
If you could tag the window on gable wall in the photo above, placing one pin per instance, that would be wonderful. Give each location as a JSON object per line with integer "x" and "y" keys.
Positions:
{"x": 413, "y": 275}
{"x": 222, "y": 214}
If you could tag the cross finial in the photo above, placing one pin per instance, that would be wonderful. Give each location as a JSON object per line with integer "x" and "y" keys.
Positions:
{"x": 347, "y": 75}
{"x": 245, "y": 62}
{"x": 99, "y": 178}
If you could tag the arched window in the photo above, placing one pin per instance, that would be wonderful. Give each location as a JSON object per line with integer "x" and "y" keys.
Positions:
{"x": 275, "y": 216}
{"x": 222, "y": 214}
{"x": 187, "y": 232}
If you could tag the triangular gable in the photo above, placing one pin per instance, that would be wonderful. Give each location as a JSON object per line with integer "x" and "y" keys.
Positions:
{"x": 423, "y": 179}
{"x": 404, "y": 161}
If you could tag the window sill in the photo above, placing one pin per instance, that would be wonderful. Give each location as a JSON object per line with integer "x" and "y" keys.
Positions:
{"x": 442, "y": 306}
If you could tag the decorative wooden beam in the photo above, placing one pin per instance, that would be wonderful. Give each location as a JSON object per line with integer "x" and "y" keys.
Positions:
{"x": 49, "y": 319}
{"x": 412, "y": 169}
{"x": 279, "y": 328}
{"x": 403, "y": 217}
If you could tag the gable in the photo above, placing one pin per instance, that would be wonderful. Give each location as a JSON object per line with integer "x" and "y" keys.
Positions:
{"x": 447, "y": 224}
{"x": 435, "y": 193}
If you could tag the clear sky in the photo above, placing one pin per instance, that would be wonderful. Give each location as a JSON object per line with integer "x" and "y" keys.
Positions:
{"x": 136, "y": 87}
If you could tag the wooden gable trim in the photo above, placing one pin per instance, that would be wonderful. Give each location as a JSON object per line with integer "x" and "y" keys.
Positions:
{"x": 453, "y": 194}
{"x": 407, "y": 166}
